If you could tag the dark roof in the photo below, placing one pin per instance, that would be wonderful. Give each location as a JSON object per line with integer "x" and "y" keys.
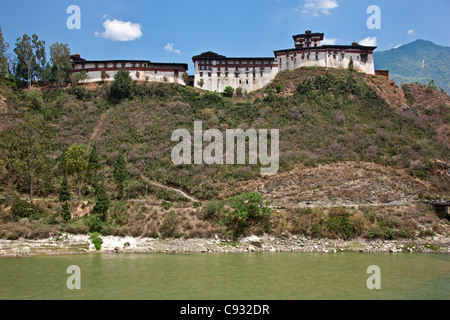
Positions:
{"x": 214, "y": 56}
{"x": 209, "y": 55}
{"x": 113, "y": 61}
{"x": 331, "y": 47}
{"x": 76, "y": 59}
{"x": 308, "y": 34}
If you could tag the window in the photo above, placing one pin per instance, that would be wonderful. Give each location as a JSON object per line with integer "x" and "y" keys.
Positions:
{"x": 209, "y": 74}
{"x": 236, "y": 75}
{"x": 218, "y": 74}
{"x": 201, "y": 74}
{"x": 246, "y": 81}
{"x": 226, "y": 74}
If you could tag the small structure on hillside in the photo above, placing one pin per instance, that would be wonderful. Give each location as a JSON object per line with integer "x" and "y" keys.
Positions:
{"x": 441, "y": 207}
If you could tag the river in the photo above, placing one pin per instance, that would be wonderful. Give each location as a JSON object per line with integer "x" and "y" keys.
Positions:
{"x": 258, "y": 276}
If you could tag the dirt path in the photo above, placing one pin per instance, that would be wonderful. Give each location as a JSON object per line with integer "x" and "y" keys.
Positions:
{"x": 95, "y": 134}
{"x": 184, "y": 194}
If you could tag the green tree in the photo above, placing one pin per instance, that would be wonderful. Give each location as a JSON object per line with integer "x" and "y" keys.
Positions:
{"x": 239, "y": 92}
{"x": 31, "y": 58}
{"x": 185, "y": 77}
{"x": 64, "y": 192}
{"x": 60, "y": 57}
{"x": 201, "y": 83}
{"x": 120, "y": 173}
{"x": 4, "y": 46}
{"x": 40, "y": 61}
{"x": 102, "y": 203}
{"x": 122, "y": 86}
{"x": 248, "y": 208}
{"x": 351, "y": 65}
{"x": 78, "y": 77}
{"x": 229, "y": 91}
{"x": 25, "y": 59}
{"x": 27, "y": 159}
{"x": 104, "y": 75}
{"x": 96, "y": 240}
{"x": 65, "y": 212}
{"x": 76, "y": 163}
{"x": 93, "y": 167}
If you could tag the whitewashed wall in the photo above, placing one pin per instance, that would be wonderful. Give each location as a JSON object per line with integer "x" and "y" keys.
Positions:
{"x": 293, "y": 61}
{"x": 159, "y": 76}
{"x": 245, "y": 79}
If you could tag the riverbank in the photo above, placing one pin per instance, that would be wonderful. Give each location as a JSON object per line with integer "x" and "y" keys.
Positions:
{"x": 80, "y": 244}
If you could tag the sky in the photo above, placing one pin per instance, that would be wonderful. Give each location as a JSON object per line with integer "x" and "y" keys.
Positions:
{"x": 176, "y": 30}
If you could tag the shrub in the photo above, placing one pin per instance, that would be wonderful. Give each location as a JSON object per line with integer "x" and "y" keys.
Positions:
{"x": 170, "y": 224}
{"x": 166, "y": 205}
{"x": 104, "y": 75}
{"x": 23, "y": 209}
{"x": 339, "y": 223}
{"x": 248, "y": 209}
{"x": 278, "y": 88}
{"x": 65, "y": 212}
{"x": 96, "y": 240}
{"x": 213, "y": 209}
{"x": 122, "y": 86}
{"x": 228, "y": 91}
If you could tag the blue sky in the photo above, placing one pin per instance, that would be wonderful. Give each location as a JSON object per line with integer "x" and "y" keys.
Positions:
{"x": 176, "y": 30}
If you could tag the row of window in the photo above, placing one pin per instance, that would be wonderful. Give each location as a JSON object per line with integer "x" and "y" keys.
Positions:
{"x": 363, "y": 58}
{"x": 209, "y": 62}
{"x": 205, "y": 68}
{"x": 236, "y": 75}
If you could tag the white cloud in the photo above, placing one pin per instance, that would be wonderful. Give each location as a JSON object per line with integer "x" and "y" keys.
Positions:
{"x": 369, "y": 42}
{"x": 117, "y": 30}
{"x": 316, "y": 7}
{"x": 169, "y": 47}
{"x": 410, "y": 32}
{"x": 326, "y": 41}
{"x": 397, "y": 46}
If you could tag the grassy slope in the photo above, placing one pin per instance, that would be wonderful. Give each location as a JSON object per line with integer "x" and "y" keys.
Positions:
{"x": 335, "y": 117}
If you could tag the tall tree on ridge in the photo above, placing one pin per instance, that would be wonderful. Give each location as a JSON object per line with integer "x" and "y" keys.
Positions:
{"x": 60, "y": 57}
{"x": 4, "y": 46}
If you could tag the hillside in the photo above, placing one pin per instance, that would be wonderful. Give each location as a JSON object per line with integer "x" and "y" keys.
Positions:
{"x": 345, "y": 140}
{"x": 419, "y": 61}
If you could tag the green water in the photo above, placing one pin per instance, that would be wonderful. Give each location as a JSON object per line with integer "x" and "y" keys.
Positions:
{"x": 264, "y": 276}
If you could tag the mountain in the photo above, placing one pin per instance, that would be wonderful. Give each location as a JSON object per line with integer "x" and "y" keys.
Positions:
{"x": 419, "y": 61}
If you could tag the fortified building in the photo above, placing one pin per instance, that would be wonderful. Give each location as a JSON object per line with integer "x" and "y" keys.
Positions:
{"x": 215, "y": 72}
{"x": 143, "y": 70}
